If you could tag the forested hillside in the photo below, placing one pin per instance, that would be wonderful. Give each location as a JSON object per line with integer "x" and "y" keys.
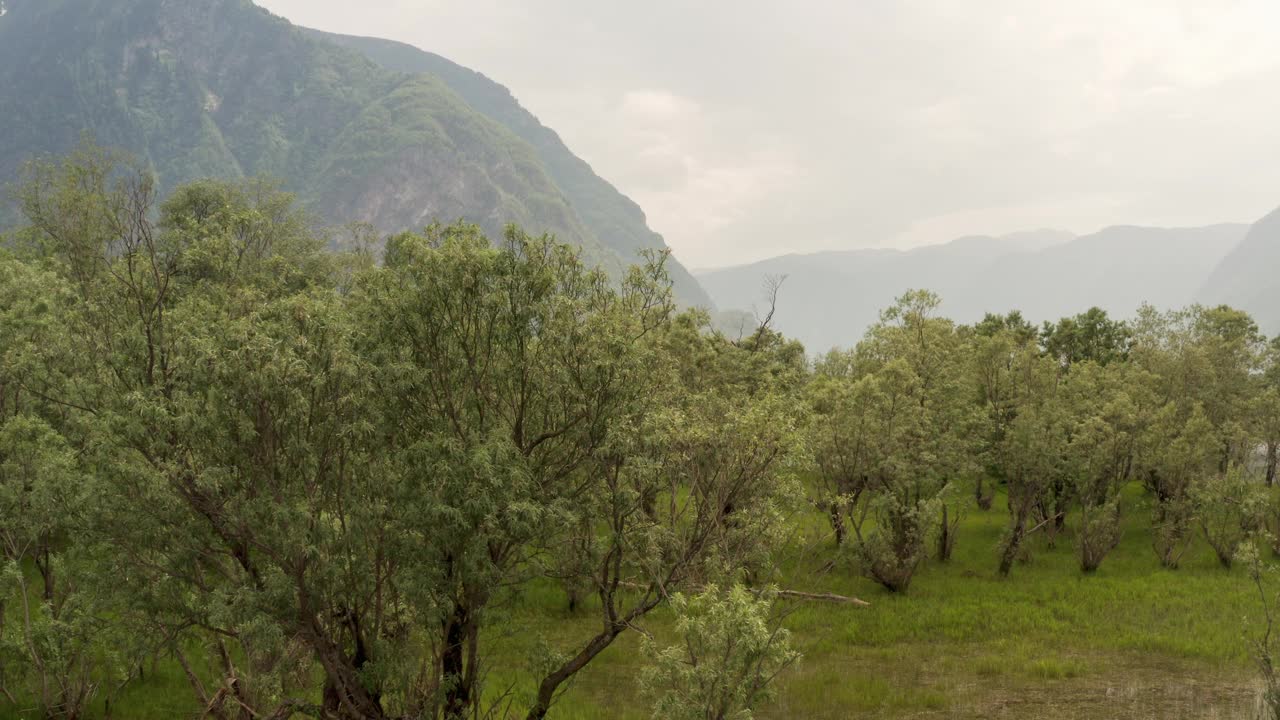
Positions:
{"x": 221, "y": 88}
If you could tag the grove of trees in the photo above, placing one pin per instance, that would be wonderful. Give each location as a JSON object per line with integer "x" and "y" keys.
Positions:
{"x": 314, "y": 479}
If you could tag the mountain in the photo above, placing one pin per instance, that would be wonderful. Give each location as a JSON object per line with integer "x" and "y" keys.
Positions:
{"x": 223, "y": 88}
{"x": 829, "y": 299}
{"x": 1249, "y": 277}
{"x": 607, "y": 213}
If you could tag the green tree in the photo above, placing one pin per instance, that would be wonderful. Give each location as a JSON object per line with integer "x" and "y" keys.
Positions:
{"x": 910, "y": 406}
{"x": 1210, "y": 357}
{"x": 1110, "y": 406}
{"x": 1091, "y": 335}
{"x": 1013, "y": 323}
{"x": 225, "y": 403}
{"x": 59, "y": 643}
{"x": 839, "y": 440}
{"x": 59, "y": 649}
{"x": 1267, "y": 412}
{"x": 509, "y": 380}
{"x": 1176, "y": 454}
{"x": 1265, "y": 650}
{"x": 1031, "y": 455}
{"x": 1230, "y": 507}
{"x": 699, "y": 489}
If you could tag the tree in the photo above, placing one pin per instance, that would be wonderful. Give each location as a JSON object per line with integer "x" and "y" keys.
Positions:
{"x": 310, "y": 462}
{"x": 1013, "y": 324}
{"x": 1229, "y": 508}
{"x": 1031, "y": 457}
{"x": 1175, "y": 455}
{"x": 59, "y": 640}
{"x": 838, "y": 440}
{"x": 729, "y": 655}
{"x": 1205, "y": 363}
{"x": 1264, "y": 644}
{"x": 698, "y": 490}
{"x": 991, "y": 357}
{"x": 1109, "y": 406}
{"x": 893, "y": 524}
{"x": 59, "y": 646}
{"x": 511, "y": 378}
{"x": 225, "y": 405}
{"x": 1091, "y": 335}
{"x": 1234, "y": 349}
{"x": 914, "y": 425}
{"x": 1267, "y": 412}
{"x": 1208, "y": 357}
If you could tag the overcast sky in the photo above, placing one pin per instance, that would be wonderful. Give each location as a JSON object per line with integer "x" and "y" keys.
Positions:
{"x": 751, "y": 128}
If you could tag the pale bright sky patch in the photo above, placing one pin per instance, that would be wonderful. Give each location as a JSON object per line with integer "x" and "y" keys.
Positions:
{"x": 750, "y": 128}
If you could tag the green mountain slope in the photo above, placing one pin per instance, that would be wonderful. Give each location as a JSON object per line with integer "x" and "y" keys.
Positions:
{"x": 222, "y": 88}
{"x": 608, "y": 214}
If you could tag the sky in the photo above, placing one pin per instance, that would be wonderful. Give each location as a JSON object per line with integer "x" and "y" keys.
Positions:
{"x": 753, "y": 128}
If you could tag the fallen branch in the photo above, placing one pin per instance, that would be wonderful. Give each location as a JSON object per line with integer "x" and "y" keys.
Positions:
{"x": 793, "y": 594}
{"x": 1046, "y": 521}
{"x": 824, "y": 597}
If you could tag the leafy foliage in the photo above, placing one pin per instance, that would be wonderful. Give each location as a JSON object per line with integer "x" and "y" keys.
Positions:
{"x": 730, "y": 654}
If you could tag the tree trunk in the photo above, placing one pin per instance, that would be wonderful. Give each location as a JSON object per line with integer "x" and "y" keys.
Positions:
{"x": 981, "y": 496}
{"x": 1011, "y": 547}
{"x": 946, "y": 538}
{"x": 551, "y": 683}
{"x": 345, "y": 696}
{"x": 837, "y": 522}
{"x": 453, "y": 668}
{"x": 1273, "y": 460}
{"x": 44, "y": 564}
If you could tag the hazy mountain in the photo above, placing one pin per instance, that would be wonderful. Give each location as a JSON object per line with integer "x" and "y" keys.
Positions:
{"x": 830, "y": 298}
{"x": 223, "y": 88}
{"x": 1249, "y": 277}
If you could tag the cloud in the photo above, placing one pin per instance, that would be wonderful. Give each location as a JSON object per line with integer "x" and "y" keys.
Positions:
{"x": 675, "y": 164}
{"x": 748, "y": 128}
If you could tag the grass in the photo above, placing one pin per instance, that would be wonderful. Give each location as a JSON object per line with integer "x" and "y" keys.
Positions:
{"x": 1131, "y": 641}
{"x": 964, "y": 640}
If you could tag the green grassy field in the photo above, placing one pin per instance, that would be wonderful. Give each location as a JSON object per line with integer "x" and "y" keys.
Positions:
{"x": 1131, "y": 641}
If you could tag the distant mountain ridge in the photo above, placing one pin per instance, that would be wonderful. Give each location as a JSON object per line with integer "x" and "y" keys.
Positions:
{"x": 1249, "y": 277}
{"x": 223, "y": 88}
{"x": 830, "y": 298}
